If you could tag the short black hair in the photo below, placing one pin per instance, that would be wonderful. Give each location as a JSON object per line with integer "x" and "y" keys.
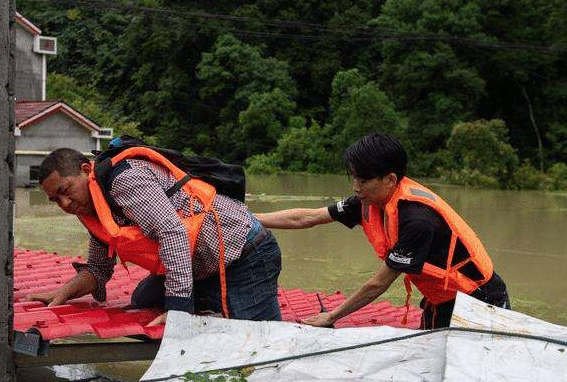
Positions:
{"x": 376, "y": 155}
{"x": 66, "y": 162}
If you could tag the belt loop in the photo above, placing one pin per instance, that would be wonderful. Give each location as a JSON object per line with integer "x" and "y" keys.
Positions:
{"x": 254, "y": 238}
{"x": 255, "y": 228}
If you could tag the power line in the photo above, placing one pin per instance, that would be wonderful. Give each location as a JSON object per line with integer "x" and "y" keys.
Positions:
{"x": 306, "y": 31}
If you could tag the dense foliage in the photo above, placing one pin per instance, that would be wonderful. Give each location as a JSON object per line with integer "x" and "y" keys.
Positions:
{"x": 475, "y": 89}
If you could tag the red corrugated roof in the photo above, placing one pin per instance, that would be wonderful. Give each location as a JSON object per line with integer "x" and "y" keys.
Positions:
{"x": 36, "y": 271}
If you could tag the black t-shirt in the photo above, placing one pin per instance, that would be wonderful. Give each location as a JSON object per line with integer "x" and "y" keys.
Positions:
{"x": 423, "y": 236}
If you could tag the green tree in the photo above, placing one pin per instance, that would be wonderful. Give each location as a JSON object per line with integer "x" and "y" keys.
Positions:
{"x": 89, "y": 102}
{"x": 525, "y": 87}
{"x": 263, "y": 122}
{"x": 316, "y": 38}
{"x": 238, "y": 80}
{"x": 305, "y": 149}
{"x": 480, "y": 153}
{"x": 358, "y": 107}
{"x": 151, "y": 76}
{"x": 440, "y": 62}
{"x": 422, "y": 71}
{"x": 300, "y": 149}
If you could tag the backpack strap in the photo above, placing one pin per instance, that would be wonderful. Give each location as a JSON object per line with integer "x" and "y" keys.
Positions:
{"x": 105, "y": 174}
{"x": 177, "y": 186}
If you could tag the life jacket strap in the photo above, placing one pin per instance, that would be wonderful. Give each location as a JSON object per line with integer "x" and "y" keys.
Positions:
{"x": 222, "y": 268}
{"x": 452, "y": 246}
{"x": 407, "y": 284}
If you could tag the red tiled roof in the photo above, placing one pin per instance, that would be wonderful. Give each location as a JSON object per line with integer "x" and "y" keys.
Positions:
{"x": 26, "y": 109}
{"x": 36, "y": 271}
{"x": 25, "y": 23}
{"x": 30, "y": 112}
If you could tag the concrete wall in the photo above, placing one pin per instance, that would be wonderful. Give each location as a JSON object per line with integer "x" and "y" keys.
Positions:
{"x": 29, "y": 67}
{"x": 54, "y": 132}
{"x": 7, "y": 125}
{"x": 23, "y": 164}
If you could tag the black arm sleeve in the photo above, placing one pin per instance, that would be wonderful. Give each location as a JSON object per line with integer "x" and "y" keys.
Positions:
{"x": 347, "y": 211}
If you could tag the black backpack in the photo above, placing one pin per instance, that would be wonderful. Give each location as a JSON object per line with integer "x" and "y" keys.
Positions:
{"x": 228, "y": 179}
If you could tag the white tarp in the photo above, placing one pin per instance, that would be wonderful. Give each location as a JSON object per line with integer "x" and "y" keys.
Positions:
{"x": 195, "y": 344}
{"x": 488, "y": 357}
{"x": 200, "y": 344}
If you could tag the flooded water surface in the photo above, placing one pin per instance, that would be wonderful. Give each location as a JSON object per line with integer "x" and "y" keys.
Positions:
{"x": 525, "y": 233}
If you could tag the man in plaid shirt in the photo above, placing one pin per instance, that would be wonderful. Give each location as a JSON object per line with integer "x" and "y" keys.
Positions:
{"x": 191, "y": 282}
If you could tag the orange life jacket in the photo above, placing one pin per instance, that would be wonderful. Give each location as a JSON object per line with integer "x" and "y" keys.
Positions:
{"x": 436, "y": 284}
{"x": 128, "y": 242}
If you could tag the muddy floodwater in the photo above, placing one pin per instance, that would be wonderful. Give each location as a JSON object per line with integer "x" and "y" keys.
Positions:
{"x": 525, "y": 232}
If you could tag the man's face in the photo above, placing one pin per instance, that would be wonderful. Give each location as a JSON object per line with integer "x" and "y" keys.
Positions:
{"x": 376, "y": 190}
{"x": 71, "y": 193}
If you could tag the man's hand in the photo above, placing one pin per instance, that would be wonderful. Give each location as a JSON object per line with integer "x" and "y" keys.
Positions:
{"x": 322, "y": 319}
{"x": 158, "y": 320}
{"x": 83, "y": 283}
{"x": 51, "y": 298}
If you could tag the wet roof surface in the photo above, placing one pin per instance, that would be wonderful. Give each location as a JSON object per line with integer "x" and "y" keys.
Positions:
{"x": 36, "y": 271}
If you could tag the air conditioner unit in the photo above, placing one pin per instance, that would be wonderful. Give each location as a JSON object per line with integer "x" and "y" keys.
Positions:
{"x": 45, "y": 45}
{"x": 104, "y": 133}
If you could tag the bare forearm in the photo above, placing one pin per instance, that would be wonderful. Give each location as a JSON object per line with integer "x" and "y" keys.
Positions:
{"x": 83, "y": 283}
{"x": 295, "y": 218}
{"x": 362, "y": 297}
{"x": 369, "y": 292}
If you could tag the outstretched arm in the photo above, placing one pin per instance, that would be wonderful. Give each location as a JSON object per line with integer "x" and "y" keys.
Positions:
{"x": 295, "y": 218}
{"x": 370, "y": 291}
{"x": 83, "y": 283}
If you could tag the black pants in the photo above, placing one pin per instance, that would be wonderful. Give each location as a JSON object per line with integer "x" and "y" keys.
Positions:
{"x": 439, "y": 316}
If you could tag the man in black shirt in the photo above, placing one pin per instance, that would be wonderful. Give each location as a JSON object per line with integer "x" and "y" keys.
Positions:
{"x": 411, "y": 229}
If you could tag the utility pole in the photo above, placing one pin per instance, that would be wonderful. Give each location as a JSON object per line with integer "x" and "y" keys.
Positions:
{"x": 7, "y": 125}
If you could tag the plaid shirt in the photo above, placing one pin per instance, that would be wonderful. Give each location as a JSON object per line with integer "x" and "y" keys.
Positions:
{"x": 139, "y": 192}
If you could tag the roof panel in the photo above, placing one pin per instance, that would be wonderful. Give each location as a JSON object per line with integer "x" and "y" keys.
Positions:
{"x": 36, "y": 271}
{"x": 25, "y": 110}
{"x": 30, "y": 112}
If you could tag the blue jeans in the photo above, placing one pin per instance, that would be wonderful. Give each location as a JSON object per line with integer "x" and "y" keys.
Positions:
{"x": 252, "y": 283}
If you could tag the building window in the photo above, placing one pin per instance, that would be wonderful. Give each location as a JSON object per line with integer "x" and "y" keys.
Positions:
{"x": 34, "y": 174}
